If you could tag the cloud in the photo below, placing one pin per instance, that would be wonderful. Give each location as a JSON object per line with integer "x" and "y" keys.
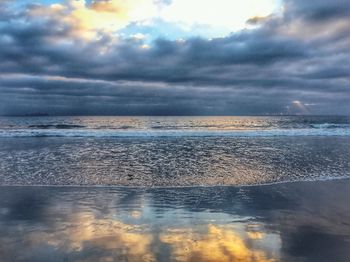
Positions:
{"x": 227, "y": 15}
{"x": 48, "y": 64}
{"x": 87, "y": 20}
{"x": 321, "y": 11}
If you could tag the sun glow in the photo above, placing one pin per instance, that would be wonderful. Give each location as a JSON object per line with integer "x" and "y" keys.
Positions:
{"x": 302, "y": 108}
{"x": 219, "y": 17}
{"x": 229, "y": 14}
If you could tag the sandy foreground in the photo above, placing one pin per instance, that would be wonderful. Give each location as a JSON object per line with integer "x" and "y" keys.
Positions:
{"x": 303, "y": 221}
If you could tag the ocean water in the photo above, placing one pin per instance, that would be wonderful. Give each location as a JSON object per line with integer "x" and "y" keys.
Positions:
{"x": 172, "y": 151}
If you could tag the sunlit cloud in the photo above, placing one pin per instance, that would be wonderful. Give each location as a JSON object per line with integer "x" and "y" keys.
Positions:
{"x": 99, "y": 16}
{"x": 221, "y": 17}
{"x": 224, "y": 15}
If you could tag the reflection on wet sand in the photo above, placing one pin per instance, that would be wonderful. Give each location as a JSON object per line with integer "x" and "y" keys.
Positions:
{"x": 120, "y": 241}
{"x": 288, "y": 222}
{"x": 116, "y": 239}
{"x": 219, "y": 243}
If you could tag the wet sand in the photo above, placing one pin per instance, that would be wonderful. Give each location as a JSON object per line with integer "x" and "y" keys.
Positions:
{"x": 302, "y": 221}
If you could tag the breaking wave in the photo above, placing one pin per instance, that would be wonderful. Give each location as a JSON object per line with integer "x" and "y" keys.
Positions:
{"x": 58, "y": 126}
{"x": 329, "y": 125}
{"x": 110, "y": 133}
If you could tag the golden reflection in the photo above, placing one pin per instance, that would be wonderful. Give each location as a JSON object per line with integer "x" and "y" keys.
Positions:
{"x": 218, "y": 244}
{"x": 255, "y": 235}
{"x": 254, "y": 232}
{"x": 87, "y": 231}
{"x": 118, "y": 240}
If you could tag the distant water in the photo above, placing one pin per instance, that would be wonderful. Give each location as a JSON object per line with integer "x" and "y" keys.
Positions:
{"x": 173, "y": 126}
{"x": 172, "y": 151}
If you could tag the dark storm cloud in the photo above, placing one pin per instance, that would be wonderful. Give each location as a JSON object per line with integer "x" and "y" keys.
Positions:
{"x": 45, "y": 67}
{"x": 319, "y": 10}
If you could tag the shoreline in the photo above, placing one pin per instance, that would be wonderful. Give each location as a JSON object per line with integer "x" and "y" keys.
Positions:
{"x": 318, "y": 180}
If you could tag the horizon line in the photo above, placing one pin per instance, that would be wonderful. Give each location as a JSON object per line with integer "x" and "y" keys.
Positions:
{"x": 252, "y": 115}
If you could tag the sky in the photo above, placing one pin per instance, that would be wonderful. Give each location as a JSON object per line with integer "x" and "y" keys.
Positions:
{"x": 175, "y": 57}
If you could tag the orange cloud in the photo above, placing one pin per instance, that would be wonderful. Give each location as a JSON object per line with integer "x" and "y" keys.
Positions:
{"x": 108, "y": 16}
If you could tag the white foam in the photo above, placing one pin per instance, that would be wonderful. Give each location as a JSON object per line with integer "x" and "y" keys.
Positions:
{"x": 330, "y": 125}
{"x": 108, "y": 133}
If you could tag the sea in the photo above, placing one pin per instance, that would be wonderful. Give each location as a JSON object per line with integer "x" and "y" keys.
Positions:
{"x": 172, "y": 151}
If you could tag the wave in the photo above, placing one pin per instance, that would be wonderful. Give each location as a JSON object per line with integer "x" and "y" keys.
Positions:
{"x": 211, "y": 127}
{"x": 204, "y": 128}
{"x": 58, "y": 126}
{"x": 109, "y": 133}
{"x": 329, "y": 125}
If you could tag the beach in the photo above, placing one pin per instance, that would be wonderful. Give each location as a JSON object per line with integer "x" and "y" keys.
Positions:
{"x": 302, "y": 221}
{"x": 174, "y": 189}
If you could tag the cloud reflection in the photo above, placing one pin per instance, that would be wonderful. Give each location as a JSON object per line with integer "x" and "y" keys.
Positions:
{"x": 262, "y": 224}
{"x": 219, "y": 243}
{"x": 85, "y": 232}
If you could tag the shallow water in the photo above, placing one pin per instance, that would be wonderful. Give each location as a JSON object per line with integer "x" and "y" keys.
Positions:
{"x": 304, "y": 221}
{"x": 186, "y": 161}
{"x": 172, "y": 151}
